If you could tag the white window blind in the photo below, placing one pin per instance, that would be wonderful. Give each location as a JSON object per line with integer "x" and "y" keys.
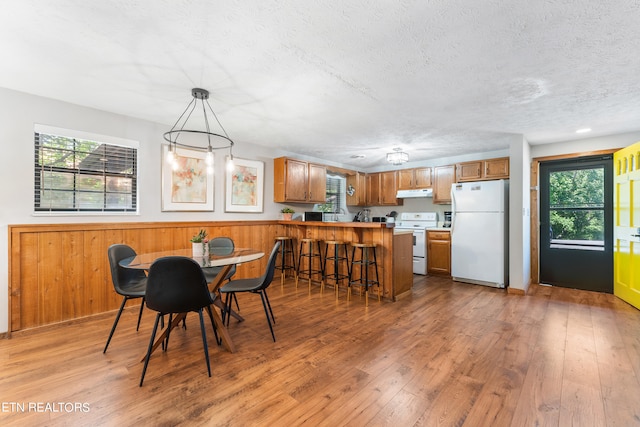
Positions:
{"x": 80, "y": 172}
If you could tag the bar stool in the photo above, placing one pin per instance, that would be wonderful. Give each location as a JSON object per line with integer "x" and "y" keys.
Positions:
{"x": 307, "y": 254}
{"x": 336, "y": 276}
{"x": 286, "y": 248}
{"x": 365, "y": 262}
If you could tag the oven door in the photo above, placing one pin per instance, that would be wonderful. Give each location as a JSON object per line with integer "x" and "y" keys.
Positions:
{"x": 420, "y": 243}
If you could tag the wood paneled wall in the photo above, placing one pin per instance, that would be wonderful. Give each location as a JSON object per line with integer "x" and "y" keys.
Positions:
{"x": 59, "y": 272}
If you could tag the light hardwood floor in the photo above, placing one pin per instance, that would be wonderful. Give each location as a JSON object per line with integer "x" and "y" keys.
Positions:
{"x": 450, "y": 354}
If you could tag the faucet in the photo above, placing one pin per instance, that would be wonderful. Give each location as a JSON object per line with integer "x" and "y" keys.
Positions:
{"x": 335, "y": 214}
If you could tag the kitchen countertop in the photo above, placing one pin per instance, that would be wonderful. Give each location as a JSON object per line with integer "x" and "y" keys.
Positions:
{"x": 439, "y": 229}
{"x": 375, "y": 225}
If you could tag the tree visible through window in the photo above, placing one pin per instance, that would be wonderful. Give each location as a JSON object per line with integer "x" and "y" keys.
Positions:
{"x": 576, "y": 206}
{"x": 81, "y": 175}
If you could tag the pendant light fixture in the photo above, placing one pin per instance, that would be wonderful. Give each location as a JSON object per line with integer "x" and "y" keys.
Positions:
{"x": 398, "y": 156}
{"x": 199, "y": 139}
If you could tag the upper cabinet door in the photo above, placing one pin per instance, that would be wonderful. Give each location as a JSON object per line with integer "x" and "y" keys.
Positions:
{"x": 469, "y": 171}
{"x": 317, "y": 183}
{"x": 483, "y": 170}
{"x": 422, "y": 178}
{"x": 443, "y": 177}
{"x": 406, "y": 179}
{"x": 496, "y": 168}
{"x": 413, "y": 179}
{"x": 296, "y": 181}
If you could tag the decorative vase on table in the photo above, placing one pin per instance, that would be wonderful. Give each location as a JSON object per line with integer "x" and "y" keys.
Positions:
{"x": 200, "y": 249}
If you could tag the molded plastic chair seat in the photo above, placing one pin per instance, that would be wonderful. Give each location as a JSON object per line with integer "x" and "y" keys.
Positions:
{"x": 177, "y": 285}
{"x": 256, "y": 285}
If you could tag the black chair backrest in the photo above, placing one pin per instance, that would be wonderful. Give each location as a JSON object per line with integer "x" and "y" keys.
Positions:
{"x": 221, "y": 246}
{"x": 120, "y": 276}
{"x": 267, "y": 277}
{"x": 176, "y": 285}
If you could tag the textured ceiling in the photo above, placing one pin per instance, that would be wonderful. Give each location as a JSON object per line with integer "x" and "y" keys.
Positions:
{"x": 332, "y": 79}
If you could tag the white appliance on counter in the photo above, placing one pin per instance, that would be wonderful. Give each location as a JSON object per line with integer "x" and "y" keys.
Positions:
{"x": 418, "y": 222}
{"x": 479, "y": 232}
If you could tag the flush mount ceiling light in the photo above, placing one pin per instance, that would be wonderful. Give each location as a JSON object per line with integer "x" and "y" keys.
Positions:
{"x": 398, "y": 156}
{"x": 199, "y": 139}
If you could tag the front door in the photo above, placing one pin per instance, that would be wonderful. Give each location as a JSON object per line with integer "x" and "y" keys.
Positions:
{"x": 627, "y": 224}
{"x": 576, "y": 217}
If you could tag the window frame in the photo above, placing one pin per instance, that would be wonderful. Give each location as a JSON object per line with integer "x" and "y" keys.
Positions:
{"x": 104, "y": 142}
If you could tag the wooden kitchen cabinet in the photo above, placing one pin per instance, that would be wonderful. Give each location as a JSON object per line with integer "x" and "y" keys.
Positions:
{"x": 413, "y": 179}
{"x": 443, "y": 177}
{"x": 389, "y": 189}
{"x": 298, "y": 181}
{"x": 373, "y": 189}
{"x": 483, "y": 170}
{"x": 358, "y": 183}
{"x": 439, "y": 252}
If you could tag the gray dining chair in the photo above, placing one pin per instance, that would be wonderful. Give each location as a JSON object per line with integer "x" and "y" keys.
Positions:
{"x": 256, "y": 285}
{"x": 176, "y": 285}
{"x": 129, "y": 283}
{"x": 221, "y": 246}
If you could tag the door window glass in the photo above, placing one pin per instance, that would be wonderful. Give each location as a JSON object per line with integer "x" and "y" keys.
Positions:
{"x": 576, "y": 209}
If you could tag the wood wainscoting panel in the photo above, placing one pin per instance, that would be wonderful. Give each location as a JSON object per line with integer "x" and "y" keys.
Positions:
{"x": 60, "y": 272}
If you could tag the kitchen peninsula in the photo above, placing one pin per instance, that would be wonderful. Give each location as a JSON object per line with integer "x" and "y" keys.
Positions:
{"x": 394, "y": 250}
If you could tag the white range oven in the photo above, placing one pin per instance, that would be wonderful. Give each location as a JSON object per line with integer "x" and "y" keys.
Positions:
{"x": 418, "y": 222}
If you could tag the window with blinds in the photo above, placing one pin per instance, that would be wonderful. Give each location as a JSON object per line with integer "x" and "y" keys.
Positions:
{"x": 80, "y": 174}
{"x": 334, "y": 195}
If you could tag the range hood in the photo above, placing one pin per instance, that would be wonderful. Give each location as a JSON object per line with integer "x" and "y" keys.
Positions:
{"x": 407, "y": 194}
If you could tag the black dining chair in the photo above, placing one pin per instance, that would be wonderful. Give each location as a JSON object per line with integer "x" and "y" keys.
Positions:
{"x": 176, "y": 285}
{"x": 129, "y": 283}
{"x": 219, "y": 246}
{"x": 256, "y": 285}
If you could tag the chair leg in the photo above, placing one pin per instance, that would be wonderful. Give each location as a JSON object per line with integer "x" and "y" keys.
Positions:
{"x": 227, "y": 308}
{"x": 146, "y": 359}
{"x": 204, "y": 342}
{"x": 235, "y": 298}
{"x": 266, "y": 297}
{"x": 213, "y": 325}
{"x": 166, "y": 340}
{"x": 140, "y": 314}
{"x": 115, "y": 323}
{"x": 264, "y": 304}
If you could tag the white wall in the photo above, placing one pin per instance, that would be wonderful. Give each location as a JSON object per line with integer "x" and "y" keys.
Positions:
{"x": 519, "y": 215}
{"x": 585, "y": 145}
{"x": 18, "y": 114}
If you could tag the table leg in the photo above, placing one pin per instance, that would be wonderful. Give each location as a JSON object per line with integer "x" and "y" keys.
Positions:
{"x": 176, "y": 320}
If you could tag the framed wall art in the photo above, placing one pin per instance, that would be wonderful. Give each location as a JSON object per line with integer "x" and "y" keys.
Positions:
{"x": 244, "y": 186}
{"x": 186, "y": 186}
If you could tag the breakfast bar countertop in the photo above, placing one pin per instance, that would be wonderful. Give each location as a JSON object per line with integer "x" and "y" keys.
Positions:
{"x": 341, "y": 224}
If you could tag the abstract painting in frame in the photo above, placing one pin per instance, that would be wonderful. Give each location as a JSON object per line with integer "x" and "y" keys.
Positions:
{"x": 244, "y": 186}
{"x": 188, "y": 186}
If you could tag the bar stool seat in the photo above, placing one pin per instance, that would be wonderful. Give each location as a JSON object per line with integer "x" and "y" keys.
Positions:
{"x": 287, "y": 255}
{"x": 307, "y": 255}
{"x": 336, "y": 276}
{"x": 366, "y": 261}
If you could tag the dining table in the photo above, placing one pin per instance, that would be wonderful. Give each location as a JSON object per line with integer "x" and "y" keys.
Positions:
{"x": 225, "y": 260}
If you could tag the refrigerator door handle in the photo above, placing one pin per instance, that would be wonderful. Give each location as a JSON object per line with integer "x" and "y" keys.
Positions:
{"x": 453, "y": 209}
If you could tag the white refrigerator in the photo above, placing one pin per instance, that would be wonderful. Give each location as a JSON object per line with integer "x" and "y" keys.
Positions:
{"x": 479, "y": 232}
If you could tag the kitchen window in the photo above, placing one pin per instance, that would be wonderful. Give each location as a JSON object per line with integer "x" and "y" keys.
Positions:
{"x": 78, "y": 172}
{"x": 335, "y": 194}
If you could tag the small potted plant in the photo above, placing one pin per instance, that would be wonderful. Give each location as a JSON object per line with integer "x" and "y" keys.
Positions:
{"x": 287, "y": 213}
{"x": 199, "y": 244}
